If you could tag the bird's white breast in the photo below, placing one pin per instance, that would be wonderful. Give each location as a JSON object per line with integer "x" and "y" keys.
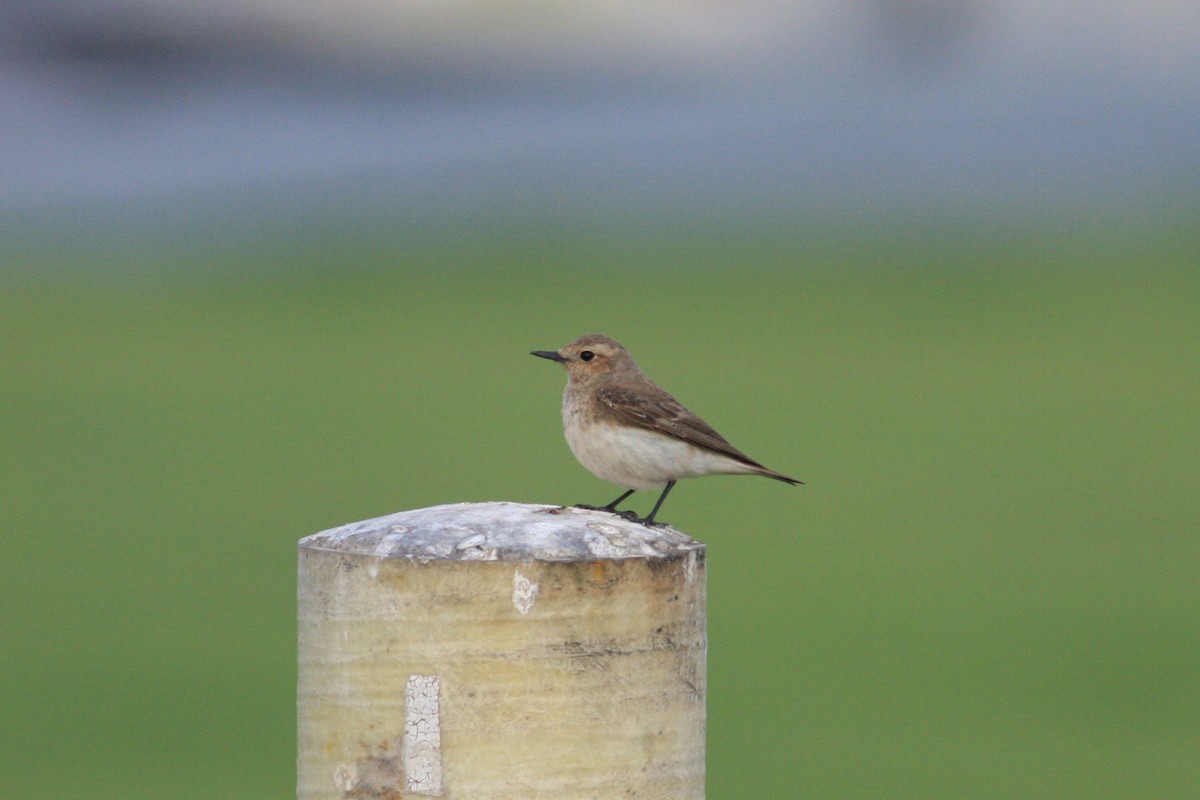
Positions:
{"x": 637, "y": 458}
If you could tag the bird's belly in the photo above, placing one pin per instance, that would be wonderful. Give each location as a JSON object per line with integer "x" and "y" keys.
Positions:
{"x": 641, "y": 459}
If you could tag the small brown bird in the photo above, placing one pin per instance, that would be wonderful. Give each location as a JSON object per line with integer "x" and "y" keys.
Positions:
{"x": 628, "y": 430}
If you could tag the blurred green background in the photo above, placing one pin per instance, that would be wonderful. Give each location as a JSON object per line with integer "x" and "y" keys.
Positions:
{"x": 987, "y": 588}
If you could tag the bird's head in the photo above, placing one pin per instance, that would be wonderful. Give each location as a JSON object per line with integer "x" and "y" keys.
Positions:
{"x": 590, "y": 357}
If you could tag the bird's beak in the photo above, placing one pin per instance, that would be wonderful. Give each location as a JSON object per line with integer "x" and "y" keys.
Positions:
{"x": 550, "y": 354}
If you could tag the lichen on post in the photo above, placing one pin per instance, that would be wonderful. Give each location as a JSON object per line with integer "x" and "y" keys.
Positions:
{"x": 501, "y": 650}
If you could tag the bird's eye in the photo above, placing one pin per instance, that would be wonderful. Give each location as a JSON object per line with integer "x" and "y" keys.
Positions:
{"x": 586, "y": 355}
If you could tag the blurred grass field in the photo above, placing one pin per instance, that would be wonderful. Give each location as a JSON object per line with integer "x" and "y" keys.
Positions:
{"x": 988, "y": 587}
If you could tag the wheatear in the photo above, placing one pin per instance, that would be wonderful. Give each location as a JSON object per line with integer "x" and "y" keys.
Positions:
{"x": 626, "y": 429}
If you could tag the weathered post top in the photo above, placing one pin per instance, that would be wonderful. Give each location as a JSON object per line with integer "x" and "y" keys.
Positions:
{"x": 503, "y": 532}
{"x": 501, "y": 651}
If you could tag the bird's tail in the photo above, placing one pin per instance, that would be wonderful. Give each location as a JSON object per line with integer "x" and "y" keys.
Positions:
{"x": 779, "y": 476}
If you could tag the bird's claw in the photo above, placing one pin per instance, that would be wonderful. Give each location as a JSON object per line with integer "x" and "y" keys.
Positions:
{"x": 628, "y": 516}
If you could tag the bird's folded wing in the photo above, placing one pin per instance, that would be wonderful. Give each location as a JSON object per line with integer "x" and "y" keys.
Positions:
{"x": 658, "y": 411}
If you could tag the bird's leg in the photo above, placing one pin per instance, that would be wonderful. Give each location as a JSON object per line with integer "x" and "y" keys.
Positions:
{"x": 612, "y": 507}
{"x": 650, "y": 519}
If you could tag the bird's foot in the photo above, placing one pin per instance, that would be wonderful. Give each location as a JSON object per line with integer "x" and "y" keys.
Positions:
{"x": 628, "y": 516}
{"x": 609, "y": 508}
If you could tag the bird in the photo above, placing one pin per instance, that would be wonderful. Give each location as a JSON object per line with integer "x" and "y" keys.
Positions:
{"x": 626, "y": 429}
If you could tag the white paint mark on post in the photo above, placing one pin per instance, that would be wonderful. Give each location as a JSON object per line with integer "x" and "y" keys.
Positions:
{"x": 525, "y": 592}
{"x": 423, "y": 735}
{"x": 345, "y": 779}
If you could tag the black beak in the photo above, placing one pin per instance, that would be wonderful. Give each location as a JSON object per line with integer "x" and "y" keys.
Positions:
{"x": 550, "y": 354}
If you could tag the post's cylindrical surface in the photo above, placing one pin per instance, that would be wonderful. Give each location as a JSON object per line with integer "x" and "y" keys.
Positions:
{"x": 501, "y": 650}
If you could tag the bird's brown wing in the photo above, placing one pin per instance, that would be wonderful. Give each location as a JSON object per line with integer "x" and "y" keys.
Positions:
{"x": 651, "y": 407}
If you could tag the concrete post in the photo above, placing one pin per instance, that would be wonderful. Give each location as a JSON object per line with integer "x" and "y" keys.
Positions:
{"x": 498, "y": 650}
